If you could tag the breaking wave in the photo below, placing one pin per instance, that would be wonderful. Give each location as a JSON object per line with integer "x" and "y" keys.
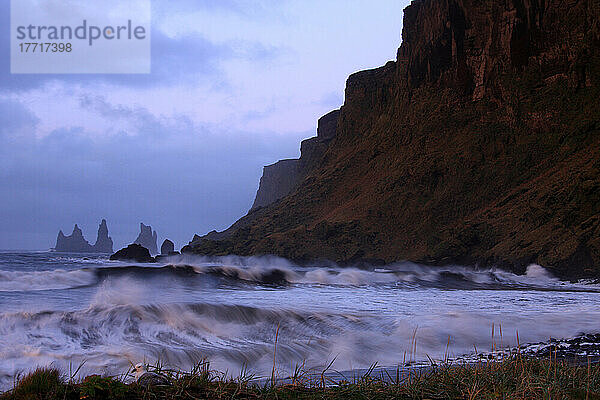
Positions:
{"x": 20, "y": 281}
{"x": 115, "y": 330}
{"x": 229, "y": 309}
{"x": 407, "y": 275}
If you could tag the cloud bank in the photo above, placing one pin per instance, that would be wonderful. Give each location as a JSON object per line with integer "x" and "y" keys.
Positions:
{"x": 235, "y": 85}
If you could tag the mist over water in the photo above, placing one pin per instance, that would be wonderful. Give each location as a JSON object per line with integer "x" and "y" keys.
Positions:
{"x": 61, "y": 310}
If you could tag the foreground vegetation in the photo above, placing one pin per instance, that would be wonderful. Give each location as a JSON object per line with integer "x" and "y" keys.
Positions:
{"x": 515, "y": 378}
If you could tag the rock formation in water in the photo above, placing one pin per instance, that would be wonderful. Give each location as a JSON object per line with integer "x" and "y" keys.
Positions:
{"x": 479, "y": 145}
{"x": 167, "y": 248}
{"x": 104, "y": 243}
{"x": 133, "y": 252}
{"x": 76, "y": 243}
{"x": 147, "y": 238}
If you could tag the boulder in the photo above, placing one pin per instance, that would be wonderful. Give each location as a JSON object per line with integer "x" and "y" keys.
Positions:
{"x": 133, "y": 252}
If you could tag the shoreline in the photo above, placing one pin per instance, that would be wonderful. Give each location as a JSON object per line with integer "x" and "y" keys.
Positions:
{"x": 372, "y": 319}
{"x": 514, "y": 377}
{"x": 571, "y": 357}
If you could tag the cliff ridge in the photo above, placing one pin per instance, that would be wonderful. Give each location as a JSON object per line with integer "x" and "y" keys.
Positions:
{"x": 478, "y": 145}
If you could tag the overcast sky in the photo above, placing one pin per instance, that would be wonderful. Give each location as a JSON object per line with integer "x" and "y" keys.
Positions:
{"x": 235, "y": 85}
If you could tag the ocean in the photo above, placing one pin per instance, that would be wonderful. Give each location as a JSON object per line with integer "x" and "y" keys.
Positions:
{"x": 67, "y": 310}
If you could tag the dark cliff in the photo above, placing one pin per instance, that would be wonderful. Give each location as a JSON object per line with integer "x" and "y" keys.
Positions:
{"x": 282, "y": 178}
{"x": 479, "y": 145}
{"x": 277, "y": 181}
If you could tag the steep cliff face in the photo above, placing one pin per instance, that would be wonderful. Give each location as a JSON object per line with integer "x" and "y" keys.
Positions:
{"x": 469, "y": 44}
{"x": 312, "y": 150}
{"x": 479, "y": 145}
{"x": 277, "y": 181}
{"x": 282, "y": 178}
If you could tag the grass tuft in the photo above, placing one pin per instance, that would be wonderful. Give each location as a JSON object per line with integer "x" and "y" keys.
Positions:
{"x": 514, "y": 378}
{"x": 41, "y": 384}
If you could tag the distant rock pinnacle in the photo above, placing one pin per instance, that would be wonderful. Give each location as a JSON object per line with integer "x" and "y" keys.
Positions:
{"x": 167, "y": 247}
{"x": 104, "y": 243}
{"x": 148, "y": 239}
{"x": 76, "y": 243}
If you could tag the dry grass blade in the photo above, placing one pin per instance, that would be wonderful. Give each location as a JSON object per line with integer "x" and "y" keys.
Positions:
{"x": 273, "y": 382}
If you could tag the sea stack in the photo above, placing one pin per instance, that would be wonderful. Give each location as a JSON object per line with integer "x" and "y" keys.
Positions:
{"x": 167, "y": 248}
{"x": 147, "y": 238}
{"x": 74, "y": 243}
{"x": 104, "y": 243}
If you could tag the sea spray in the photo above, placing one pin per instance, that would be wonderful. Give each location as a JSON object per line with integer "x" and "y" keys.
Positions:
{"x": 227, "y": 310}
{"x": 18, "y": 281}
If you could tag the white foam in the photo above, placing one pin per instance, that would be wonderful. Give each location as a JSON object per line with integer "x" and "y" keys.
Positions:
{"x": 131, "y": 320}
{"x": 535, "y": 271}
{"x": 345, "y": 277}
{"x": 252, "y": 269}
{"x": 123, "y": 291}
{"x": 18, "y": 281}
{"x": 115, "y": 329}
